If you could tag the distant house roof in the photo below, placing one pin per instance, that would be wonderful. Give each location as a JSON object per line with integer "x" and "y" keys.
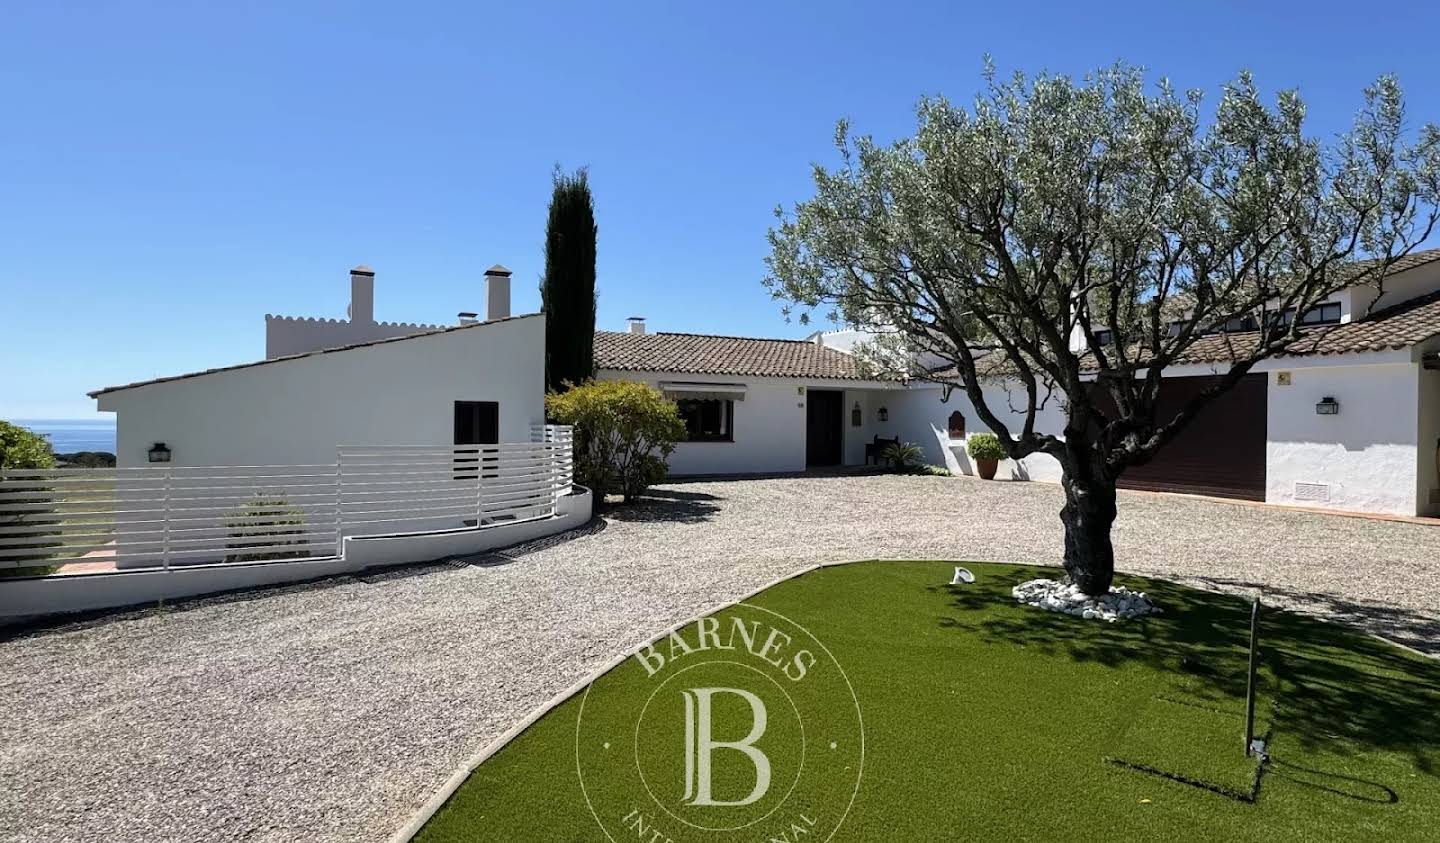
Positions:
{"x": 97, "y": 393}
{"x": 1399, "y": 326}
{"x": 704, "y": 354}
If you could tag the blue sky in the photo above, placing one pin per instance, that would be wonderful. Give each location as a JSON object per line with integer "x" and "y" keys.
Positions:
{"x": 169, "y": 173}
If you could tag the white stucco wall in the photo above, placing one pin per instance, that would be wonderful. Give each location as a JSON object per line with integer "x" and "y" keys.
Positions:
{"x": 1398, "y": 288}
{"x": 1365, "y": 456}
{"x": 769, "y": 423}
{"x": 298, "y": 411}
{"x": 926, "y": 423}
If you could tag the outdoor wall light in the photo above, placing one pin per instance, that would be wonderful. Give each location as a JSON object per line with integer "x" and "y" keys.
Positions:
{"x": 884, "y": 414}
{"x": 856, "y": 418}
{"x": 159, "y": 453}
{"x": 1327, "y": 407}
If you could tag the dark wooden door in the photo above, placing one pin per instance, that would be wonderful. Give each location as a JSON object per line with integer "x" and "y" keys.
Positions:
{"x": 824, "y": 417}
{"x": 1221, "y": 452}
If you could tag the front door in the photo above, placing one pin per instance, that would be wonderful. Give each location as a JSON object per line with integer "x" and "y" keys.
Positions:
{"x": 824, "y": 416}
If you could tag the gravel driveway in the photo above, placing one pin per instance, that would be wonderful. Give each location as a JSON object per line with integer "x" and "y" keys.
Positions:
{"x": 331, "y": 712}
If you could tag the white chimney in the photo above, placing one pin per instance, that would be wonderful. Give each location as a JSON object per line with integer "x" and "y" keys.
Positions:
{"x": 819, "y": 339}
{"x": 468, "y": 318}
{"x": 637, "y": 324}
{"x": 497, "y": 293}
{"x": 362, "y": 296}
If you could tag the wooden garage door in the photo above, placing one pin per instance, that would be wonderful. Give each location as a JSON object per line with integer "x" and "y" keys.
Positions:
{"x": 1221, "y": 452}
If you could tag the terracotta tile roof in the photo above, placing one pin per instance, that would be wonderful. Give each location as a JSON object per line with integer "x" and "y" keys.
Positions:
{"x": 315, "y": 353}
{"x": 1396, "y": 327}
{"x": 703, "y": 354}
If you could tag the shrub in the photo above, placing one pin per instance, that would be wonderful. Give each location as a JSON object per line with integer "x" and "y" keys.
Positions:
{"x": 984, "y": 446}
{"x": 265, "y": 521}
{"x": 902, "y": 456}
{"x": 21, "y": 448}
{"x": 624, "y": 433}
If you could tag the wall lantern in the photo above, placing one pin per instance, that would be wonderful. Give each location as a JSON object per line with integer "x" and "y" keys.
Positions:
{"x": 884, "y": 414}
{"x": 1328, "y": 406}
{"x": 856, "y": 417}
{"x": 159, "y": 453}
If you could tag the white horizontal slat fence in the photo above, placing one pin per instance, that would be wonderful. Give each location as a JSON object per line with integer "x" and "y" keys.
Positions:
{"x": 162, "y": 516}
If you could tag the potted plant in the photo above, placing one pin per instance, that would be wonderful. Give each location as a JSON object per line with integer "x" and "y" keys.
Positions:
{"x": 985, "y": 450}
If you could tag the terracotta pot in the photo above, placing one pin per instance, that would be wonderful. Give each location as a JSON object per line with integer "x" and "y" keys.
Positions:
{"x": 986, "y": 468}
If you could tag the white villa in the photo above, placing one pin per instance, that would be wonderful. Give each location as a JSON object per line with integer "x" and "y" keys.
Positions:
{"x": 1349, "y": 420}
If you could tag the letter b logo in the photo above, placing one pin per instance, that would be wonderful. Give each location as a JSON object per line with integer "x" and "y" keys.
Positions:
{"x": 700, "y": 744}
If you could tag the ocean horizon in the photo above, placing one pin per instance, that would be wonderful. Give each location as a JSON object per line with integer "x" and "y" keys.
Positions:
{"x": 70, "y": 435}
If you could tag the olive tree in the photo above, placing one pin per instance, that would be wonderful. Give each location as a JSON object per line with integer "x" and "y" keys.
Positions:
{"x": 1005, "y": 237}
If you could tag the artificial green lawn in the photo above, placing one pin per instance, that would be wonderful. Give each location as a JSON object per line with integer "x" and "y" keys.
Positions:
{"x": 985, "y": 719}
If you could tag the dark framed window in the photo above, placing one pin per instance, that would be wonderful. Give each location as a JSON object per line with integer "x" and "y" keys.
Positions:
{"x": 1104, "y": 337}
{"x": 1324, "y": 314}
{"x": 957, "y": 425}
{"x": 477, "y": 422}
{"x": 708, "y": 419}
{"x": 1240, "y": 324}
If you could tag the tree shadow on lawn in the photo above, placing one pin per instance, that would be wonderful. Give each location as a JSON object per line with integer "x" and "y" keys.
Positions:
{"x": 1329, "y": 686}
{"x": 1408, "y": 627}
{"x": 666, "y": 505}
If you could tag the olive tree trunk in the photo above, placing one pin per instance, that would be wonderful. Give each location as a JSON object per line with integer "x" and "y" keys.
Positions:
{"x": 1088, "y": 515}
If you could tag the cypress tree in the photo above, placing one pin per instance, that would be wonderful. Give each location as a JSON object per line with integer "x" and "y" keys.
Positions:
{"x": 567, "y": 292}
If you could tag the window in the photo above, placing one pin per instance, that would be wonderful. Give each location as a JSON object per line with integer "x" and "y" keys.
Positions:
{"x": 477, "y": 422}
{"x": 1103, "y": 337}
{"x": 957, "y": 425}
{"x": 1325, "y": 314}
{"x": 708, "y": 419}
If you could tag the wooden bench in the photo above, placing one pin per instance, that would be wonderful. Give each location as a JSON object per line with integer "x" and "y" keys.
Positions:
{"x": 876, "y": 450}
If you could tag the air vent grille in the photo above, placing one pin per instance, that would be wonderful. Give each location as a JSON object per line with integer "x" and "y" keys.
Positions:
{"x": 1312, "y": 491}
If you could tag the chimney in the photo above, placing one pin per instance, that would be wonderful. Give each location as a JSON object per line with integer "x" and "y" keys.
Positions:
{"x": 637, "y": 324}
{"x": 497, "y": 293}
{"x": 468, "y": 318}
{"x": 362, "y": 295}
{"x": 819, "y": 339}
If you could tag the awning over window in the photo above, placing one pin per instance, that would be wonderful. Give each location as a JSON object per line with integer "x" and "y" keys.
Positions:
{"x": 675, "y": 390}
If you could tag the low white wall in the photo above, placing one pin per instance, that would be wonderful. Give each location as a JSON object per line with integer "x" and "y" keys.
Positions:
{"x": 287, "y": 335}
{"x": 1365, "y": 456}
{"x": 24, "y": 598}
{"x": 297, "y": 411}
{"x": 769, "y": 423}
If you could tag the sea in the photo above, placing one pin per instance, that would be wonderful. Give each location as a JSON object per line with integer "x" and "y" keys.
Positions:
{"x": 70, "y": 435}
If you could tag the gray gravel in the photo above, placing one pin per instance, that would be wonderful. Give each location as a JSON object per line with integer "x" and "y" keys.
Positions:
{"x": 331, "y": 712}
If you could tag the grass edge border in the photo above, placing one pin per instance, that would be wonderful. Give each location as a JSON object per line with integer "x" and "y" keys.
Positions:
{"x": 441, "y": 795}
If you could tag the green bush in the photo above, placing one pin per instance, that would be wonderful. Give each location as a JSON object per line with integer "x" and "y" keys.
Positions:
{"x": 624, "y": 433}
{"x": 265, "y": 521}
{"x": 902, "y": 456}
{"x": 984, "y": 446}
{"x": 21, "y": 448}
